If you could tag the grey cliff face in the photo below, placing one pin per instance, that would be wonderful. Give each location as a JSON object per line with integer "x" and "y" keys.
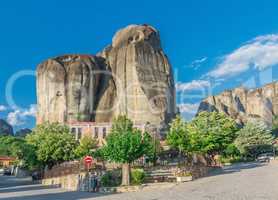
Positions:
{"x": 142, "y": 75}
{"x": 66, "y": 88}
{"x": 132, "y": 76}
{"x": 243, "y": 105}
{"x": 5, "y": 128}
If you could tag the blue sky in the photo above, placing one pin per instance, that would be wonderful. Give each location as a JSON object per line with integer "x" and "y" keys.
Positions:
{"x": 210, "y": 43}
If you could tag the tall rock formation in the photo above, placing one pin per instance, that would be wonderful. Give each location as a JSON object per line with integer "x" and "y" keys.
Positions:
{"x": 243, "y": 105}
{"x": 66, "y": 88}
{"x": 132, "y": 76}
{"x": 142, "y": 75}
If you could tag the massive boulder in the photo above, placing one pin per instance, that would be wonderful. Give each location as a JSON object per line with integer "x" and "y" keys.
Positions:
{"x": 244, "y": 105}
{"x": 66, "y": 88}
{"x": 142, "y": 75}
{"x": 5, "y": 128}
{"x": 132, "y": 76}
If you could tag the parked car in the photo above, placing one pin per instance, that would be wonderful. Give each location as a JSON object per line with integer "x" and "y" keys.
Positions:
{"x": 264, "y": 158}
{"x": 1, "y": 171}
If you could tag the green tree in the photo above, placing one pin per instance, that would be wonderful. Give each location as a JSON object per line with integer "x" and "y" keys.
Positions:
{"x": 86, "y": 146}
{"x": 254, "y": 138}
{"x": 275, "y": 125}
{"x": 19, "y": 149}
{"x": 53, "y": 143}
{"x": 153, "y": 151}
{"x": 5, "y": 145}
{"x": 125, "y": 144}
{"x": 231, "y": 151}
{"x": 211, "y": 132}
{"x": 178, "y": 136}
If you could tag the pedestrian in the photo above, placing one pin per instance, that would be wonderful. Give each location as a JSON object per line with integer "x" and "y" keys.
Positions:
{"x": 93, "y": 183}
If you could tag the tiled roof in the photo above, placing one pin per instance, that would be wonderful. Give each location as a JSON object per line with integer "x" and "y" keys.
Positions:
{"x": 6, "y": 158}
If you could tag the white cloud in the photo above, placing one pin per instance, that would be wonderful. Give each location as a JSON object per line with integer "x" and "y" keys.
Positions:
{"x": 19, "y": 117}
{"x": 259, "y": 53}
{"x": 188, "y": 108}
{"x": 197, "y": 63}
{"x": 193, "y": 85}
{"x": 3, "y": 108}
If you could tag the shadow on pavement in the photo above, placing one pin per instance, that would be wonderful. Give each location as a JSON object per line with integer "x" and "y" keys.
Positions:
{"x": 236, "y": 168}
{"x": 26, "y": 188}
{"x": 11, "y": 181}
{"x": 57, "y": 196}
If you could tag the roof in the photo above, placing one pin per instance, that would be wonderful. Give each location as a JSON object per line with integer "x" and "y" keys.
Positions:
{"x": 7, "y": 158}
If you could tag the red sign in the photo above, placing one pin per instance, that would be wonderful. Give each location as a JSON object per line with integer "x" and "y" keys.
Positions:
{"x": 88, "y": 160}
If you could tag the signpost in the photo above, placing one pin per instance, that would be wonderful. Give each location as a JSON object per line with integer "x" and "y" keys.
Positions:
{"x": 88, "y": 160}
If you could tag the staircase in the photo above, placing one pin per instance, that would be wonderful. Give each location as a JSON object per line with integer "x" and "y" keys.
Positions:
{"x": 159, "y": 175}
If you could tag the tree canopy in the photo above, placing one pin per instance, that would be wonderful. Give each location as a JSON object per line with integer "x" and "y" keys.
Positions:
{"x": 53, "y": 143}
{"x": 212, "y": 132}
{"x": 208, "y": 133}
{"x": 19, "y": 149}
{"x": 254, "y": 138}
{"x": 275, "y": 125}
{"x": 178, "y": 136}
{"x": 125, "y": 144}
{"x": 86, "y": 146}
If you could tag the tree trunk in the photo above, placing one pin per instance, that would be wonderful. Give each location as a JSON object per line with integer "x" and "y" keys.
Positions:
{"x": 126, "y": 174}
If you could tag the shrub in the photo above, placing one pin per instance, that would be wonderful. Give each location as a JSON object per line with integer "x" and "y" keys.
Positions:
{"x": 183, "y": 174}
{"x": 137, "y": 176}
{"x": 111, "y": 178}
{"x": 254, "y": 138}
{"x": 231, "y": 151}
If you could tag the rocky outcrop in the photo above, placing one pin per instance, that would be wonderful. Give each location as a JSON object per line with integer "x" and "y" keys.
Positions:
{"x": 66, "y": 88}
{"x": 142, "y": 75}
{"x": 132, "y": 76}
{"x": 23, "y": 132}
{"x": 5, "y": 128}
{"x": 243, "y": 104}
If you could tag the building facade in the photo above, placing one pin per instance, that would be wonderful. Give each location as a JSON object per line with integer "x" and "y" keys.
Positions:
{"x": 99, "y": 131}
{"x": 6, "y": 161}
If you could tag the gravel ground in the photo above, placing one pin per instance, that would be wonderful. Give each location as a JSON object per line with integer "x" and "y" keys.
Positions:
{"x": 249, "y": 181}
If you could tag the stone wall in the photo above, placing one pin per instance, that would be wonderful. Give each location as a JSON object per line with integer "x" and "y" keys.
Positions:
{"x": 71, "y": 182}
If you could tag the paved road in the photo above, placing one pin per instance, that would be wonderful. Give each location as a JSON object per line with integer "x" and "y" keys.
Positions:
{"x": 250, "y": 181}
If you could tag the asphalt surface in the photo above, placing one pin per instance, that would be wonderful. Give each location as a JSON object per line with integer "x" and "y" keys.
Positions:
{"x": 249, "y": 181}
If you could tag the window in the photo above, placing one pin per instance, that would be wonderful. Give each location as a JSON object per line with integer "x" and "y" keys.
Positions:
{"x": 96, "y": 132}
{"x": 104, "y": 132}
